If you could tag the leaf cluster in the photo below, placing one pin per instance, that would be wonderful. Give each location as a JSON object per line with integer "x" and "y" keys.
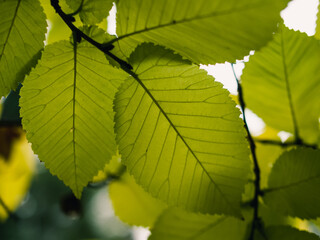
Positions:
{"x": 183, "y": 161}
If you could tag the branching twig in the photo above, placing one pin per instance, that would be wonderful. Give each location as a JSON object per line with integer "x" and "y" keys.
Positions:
{"x": 102, "y": 47}
{"x": 256, "y": 169}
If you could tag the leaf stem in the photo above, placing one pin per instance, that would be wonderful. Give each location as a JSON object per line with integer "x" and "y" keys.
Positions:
{"x": 256, "y": 169}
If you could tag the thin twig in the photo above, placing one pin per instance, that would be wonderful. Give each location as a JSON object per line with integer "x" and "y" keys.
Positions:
{"x": 102, "y": 47}
{"x": 78, "y": 10}
{"x": 256, "y": 169}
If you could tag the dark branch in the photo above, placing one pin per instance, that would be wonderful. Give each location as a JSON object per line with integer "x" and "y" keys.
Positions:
{"x": 256, "y": 223}
{"x": 102, "y": 47}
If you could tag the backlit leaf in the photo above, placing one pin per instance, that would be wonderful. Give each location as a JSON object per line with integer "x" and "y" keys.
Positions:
{"x": 66, "y": 109}
{"x": 204, "y": 31}
{"x": 132, "y": 204}
{"x": 281, "y": 83}
{"x": 22, "y": 32}
{"x": 294, "y": 183}
{"x": 180, "y": 134}
{"x": 91, "y": 11}
{"x": 287, "y": 233}
{"x": 175, "y": 224}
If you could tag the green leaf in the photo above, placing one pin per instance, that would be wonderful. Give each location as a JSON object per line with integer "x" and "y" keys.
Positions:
{"x": 132, "y": 204}
{"x": 22, "y": 27}
{"x": 267, "y": 155}
{"x": 204, "y": 31}
{"x": 294, "y": 183}
{"x": 180, "y": 134}
{"x": 287, "y": 233}
{"x": 281, "y": 84}
{"x": 66, "y": 109}
{"x": 91, "y": 11}
{"x": 175, "y": 224}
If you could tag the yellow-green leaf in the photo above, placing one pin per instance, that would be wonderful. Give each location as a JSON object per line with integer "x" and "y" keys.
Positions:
{"x": 66, "y": 109}
{"x": 281, "y": 84}
{"x": 22, "y": 32}
{"x": 180, "y": 134}
{"x": 294, "y": 182}
{"x": 91, "y": 11}
{"x": 132, "y": 204}
{"x": 204, "y": 31}
{"x": 175, "y": 224}
{"x": 287, "y": 233}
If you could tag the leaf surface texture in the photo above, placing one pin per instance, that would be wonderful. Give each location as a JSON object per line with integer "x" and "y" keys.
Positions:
{"x": 132, "y": 204}
{"x": 91, "y": 11}
{"x": 175, "y": 224}
{"x": 22, "y": 32}
{"x": 180, "y": 134}
{"x": 66, "y": 106}
{"x": 281, "y": 84}
{"x": 294, "y": 184}
{"x": 204, "y": 31}
{"x": 287, "y": 233}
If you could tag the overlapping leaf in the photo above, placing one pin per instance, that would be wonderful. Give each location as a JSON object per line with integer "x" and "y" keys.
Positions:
{"x": 287, "y": 233}
{"x": 175, "y": 224}
{"x": 294, "y": 182}
{"x": 204, "y": 31}
{"x": 180, "y": 134}
{"x": 91, "y": 11}
{"x": 22, "y": 32}
{"x": 66, "y": 106}
{"x": 132, "y": 204}
{"x": 281, "y": 84}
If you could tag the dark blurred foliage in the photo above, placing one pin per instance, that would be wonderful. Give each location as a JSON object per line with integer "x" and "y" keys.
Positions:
{"x": 50, "y": 212}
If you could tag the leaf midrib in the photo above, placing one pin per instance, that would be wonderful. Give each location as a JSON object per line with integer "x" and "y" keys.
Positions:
{"x": 288, "y": 89}
{"x": 174, "y": 22}
{"x": 135, "y": 76}
{"x": 205, "y": 229}
{"x": 294, "y": 184}
{"x": 10, "y": 29}
{"x": 74, "y": 110}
